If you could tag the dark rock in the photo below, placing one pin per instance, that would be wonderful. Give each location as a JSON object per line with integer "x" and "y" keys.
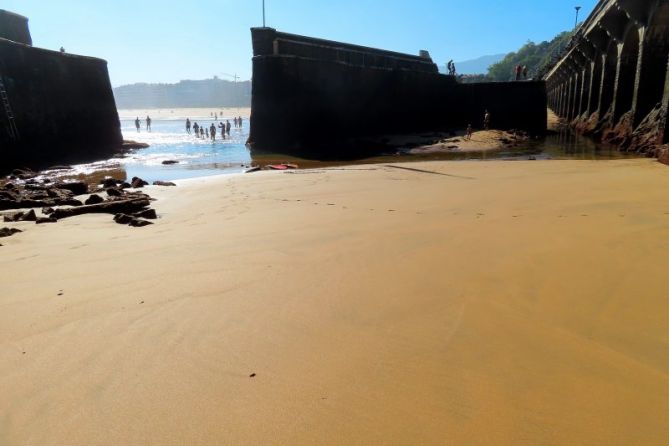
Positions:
{"x": 132, "y": 145}
{"x": 147, "y": 213}
{"x": 8, "y": 232}
{"x": 94, "y": 199}
{"x": 29, "y": 216}
{"x": 43, "y": 220}
{"x": 76, "y": 187}
{"x": 125, "y": 185}
{"x": 10, "y": 218}
{"x": 137, "y": 223}
{"x": 9, "y": 186}
{"x": 163, "y": 183}
{"x": 47, "y": 211}
{"x": 110, "y": 182}
{"x": 70, "y": 202}
{"x": 170, "y": 162}
{"x": 138, "y": 182}
{"x": 113, "y": 192}
{"x": 108, "y": 207}
{"x": 123, "y": 219}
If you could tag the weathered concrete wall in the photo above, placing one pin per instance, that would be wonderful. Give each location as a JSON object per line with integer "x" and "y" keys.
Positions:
{"x": 612, "y": 83}
{"x": 325, "y": 99}
{"x": 63, "y": 106}
{"x": 14, "y": 27}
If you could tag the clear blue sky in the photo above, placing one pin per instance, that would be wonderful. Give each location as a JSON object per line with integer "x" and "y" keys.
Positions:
{"x": 169, "y": 40}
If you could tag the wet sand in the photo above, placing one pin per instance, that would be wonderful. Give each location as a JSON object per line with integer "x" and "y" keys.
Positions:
{"x": 470, "y": 303}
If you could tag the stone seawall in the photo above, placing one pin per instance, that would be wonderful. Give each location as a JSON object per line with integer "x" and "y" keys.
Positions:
{"x": 63, "y": 107}
{"x": 331, "y": 99}
{"x": 14, "y": 27}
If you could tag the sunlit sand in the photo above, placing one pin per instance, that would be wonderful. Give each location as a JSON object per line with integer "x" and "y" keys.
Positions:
{"x": 480, "y": 303}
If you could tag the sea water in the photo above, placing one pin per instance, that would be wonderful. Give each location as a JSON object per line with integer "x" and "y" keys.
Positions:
{"x": 198, "y": 157}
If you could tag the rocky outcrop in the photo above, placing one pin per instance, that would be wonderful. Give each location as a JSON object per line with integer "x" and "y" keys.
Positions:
{"x": 621, "y": 134}
{"x": 163, "y": 183}
{"x": 648, "y": 135}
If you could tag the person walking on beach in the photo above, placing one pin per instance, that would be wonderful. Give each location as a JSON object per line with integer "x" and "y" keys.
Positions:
{"x": 196, "y": 128}
{"x": 148, "y": 123}
{"x": 222, "y": 127}
{"x": 188, "y": 126}
{"x": 486, "y": 120}
{"x": 137, "y": 124}
{"x": 212, "y": 131}
{"x": 240, "y": 122}
{"x": 202, "y": 132}
{"x": 227, "y": 127}
{"x": 468, "y": 136}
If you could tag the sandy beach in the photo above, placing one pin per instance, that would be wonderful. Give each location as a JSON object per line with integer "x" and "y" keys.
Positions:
{"x": 464, "y": 303}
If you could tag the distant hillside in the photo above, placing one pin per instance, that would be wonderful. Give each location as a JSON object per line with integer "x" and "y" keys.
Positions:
{"x": 534, "y": 56}
{"x": 204, "y": 93}
{"x": 478, "y": 66}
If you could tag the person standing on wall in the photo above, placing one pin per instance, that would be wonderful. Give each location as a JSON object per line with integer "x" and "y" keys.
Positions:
{"x": 524, "y": 71}
{"x": 486, "y": 120}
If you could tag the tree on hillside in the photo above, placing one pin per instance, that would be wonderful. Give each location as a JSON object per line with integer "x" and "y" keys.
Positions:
{"x": 534, "y": 56}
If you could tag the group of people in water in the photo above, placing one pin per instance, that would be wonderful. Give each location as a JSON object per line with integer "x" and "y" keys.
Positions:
{"x": 202, "y": 131}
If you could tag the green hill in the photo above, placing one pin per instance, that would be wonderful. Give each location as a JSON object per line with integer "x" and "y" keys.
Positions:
{"x": 535, "y": 56}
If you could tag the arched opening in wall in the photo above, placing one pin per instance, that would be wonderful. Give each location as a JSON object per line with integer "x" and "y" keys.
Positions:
{"x": 596, "y": 84}
{"x": 609, "y": 77}
{"x": 654, "y": 63}
{"x": 628, "y": 64}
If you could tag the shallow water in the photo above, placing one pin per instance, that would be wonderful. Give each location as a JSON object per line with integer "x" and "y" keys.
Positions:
{"x": 199, "y": 157}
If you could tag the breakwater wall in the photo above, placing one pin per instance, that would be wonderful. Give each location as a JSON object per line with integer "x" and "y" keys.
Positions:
{"x": 324, "y": 99}
{"x": 60, "y": 108}
{"x": 14, "y": 27}
{"x": 612, "y": 83}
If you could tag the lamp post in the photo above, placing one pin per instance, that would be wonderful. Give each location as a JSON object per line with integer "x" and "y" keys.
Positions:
{"x": 263, "y": 13}
{"x": 577, "y": 8}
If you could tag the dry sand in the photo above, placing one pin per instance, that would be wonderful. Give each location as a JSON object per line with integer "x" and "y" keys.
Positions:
{"x": 485, "y": 303}
{"x": 480, "y": 141}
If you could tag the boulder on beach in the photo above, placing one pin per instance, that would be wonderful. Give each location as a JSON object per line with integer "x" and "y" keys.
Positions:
{"x": 170, "y": 162}
{"x": 94, "y": 199}
{"x": 76, "y": 187}
{"x": 138, "y": 182}
{"x": 8, "y": 232}
{"x": 43, "y": 220}
{"x": 163, "y": 183}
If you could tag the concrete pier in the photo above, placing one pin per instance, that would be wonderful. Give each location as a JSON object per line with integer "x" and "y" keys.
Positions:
{"x": 54, "y": 107}
{"x": 612, "y": 82}
{"x": 321, "y": 99}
